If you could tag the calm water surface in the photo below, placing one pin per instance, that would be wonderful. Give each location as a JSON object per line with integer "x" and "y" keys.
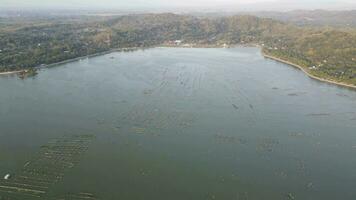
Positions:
{"x": 173, "y": 124}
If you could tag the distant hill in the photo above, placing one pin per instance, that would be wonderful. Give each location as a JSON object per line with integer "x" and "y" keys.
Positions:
{"x": 314, "y": 17}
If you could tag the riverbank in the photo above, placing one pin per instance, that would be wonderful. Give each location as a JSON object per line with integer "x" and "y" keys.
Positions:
{"x": 307, "y": 73}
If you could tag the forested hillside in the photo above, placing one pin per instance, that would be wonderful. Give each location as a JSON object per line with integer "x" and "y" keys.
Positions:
{"x": 325, "y": 52}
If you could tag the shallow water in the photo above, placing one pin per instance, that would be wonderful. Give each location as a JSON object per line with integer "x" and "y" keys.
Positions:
{"x": 185, "y": 124}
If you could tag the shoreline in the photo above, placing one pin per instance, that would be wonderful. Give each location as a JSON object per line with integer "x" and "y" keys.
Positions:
{"x": 350, "y": 86}
{"x": 74, "y": 59}
{"x": 265, "y": 55}
{"x": 118, "y": 50}
{"x": 88, "y": 56}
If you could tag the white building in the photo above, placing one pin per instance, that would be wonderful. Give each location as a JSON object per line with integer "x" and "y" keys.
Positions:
{"x": 178, "y": 42}
{"x": 7, "y": 177}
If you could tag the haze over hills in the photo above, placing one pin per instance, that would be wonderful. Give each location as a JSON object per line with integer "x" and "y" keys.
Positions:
{"x": 335, "y": 18}
{"x": 183, "y": 5}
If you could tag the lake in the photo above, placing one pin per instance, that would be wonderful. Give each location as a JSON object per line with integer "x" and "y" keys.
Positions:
{"x": 173, "y": 124}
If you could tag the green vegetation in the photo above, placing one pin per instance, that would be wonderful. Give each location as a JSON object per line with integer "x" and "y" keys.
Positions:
{"x": 329, "y": 54}
{"x": 325, "y": 52}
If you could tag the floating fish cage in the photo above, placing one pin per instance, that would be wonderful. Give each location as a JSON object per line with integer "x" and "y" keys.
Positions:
{"x": 45, "y": 169}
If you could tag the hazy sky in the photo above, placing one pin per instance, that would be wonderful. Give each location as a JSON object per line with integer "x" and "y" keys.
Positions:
{"x": 244, "y": 4}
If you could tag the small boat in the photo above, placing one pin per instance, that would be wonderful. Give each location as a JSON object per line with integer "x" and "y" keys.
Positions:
{"x": 7, "y": 176}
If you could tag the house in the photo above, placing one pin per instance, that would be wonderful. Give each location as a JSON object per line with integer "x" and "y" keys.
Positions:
{"x": 178, "y": 42}
{"x": 313, "y": 67}
{"x": 7, "y": 177}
